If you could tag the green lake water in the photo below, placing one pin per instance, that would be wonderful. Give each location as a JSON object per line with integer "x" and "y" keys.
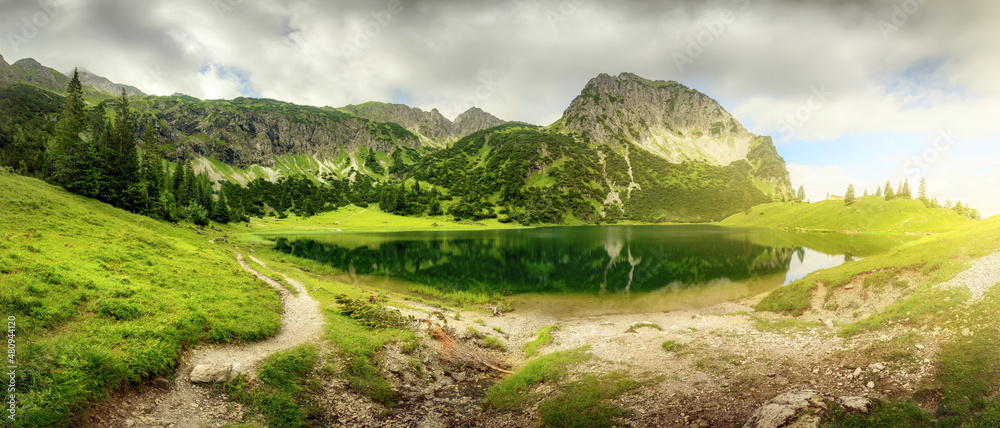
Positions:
{"x": 575, "y": 271}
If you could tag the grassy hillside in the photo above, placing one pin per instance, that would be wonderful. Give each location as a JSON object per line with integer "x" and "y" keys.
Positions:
{"x": 105, "y": 299}
{"x": 868, "y": 214}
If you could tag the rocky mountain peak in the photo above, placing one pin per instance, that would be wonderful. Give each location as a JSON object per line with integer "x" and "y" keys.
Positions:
{"x": 474, "y": 119}
{"x": 7, "y": 76}
{"x": 430, "y": 124}
{"x": 672, "y": 121}
{"x": 664, "y": 117}
{"x": 104, "y": 85}
{"x": 33, "y": 72}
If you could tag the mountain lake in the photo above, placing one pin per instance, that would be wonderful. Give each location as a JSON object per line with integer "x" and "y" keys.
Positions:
{"x": 588, "y": 270}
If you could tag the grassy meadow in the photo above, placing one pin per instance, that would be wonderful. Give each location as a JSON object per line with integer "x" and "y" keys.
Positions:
{"x": 867, "y": 214}
{"x": 105, "y": 299}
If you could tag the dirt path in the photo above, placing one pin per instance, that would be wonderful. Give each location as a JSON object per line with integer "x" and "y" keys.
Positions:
{"x": 181, "y": 404}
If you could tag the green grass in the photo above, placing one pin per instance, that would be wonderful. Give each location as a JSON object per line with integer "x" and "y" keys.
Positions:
{"x": 355, "y": 219}
{"x": 513, "y": 391}
{"x": 672, "y": 346}
{"x": 544, "y": 338}
{"x": 104, "y": 299}
{"x": 283, "y": 384}
{"x": 883, "y": 414}
{"x": 585, "y": 403}
{"x": 939, "y": 257}
{"x": 868, "y": 214}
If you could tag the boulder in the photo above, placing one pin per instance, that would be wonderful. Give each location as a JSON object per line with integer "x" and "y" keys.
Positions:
{"x": 802, "y": 408}
{"x": 215, "y": 373}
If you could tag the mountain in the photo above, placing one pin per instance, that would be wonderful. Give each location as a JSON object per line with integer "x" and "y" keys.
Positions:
{"x": 247, "y": 132}
{"x": 31, "y": 72}
{"x": 436, "y": 129}
{"x": 673, "y": 122}
{"x": 627, "y": 148}
{"x": 28, "y": 71}
{"x": 104, "y": 85}
{"x": 7, "y": 75}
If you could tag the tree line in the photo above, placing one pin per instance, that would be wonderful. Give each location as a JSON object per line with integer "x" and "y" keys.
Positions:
{"x": 903, "y": 191}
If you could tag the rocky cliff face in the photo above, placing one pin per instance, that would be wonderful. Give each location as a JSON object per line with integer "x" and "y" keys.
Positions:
{"x": 7, "y": 75}
{"x": 474, "y": 119}
{"x": 432, "y": 125}
{"x": 244, "y": 132}
{"x": 672, "y": 121}
{"x": 104, "y": 85}
{"x": 31, "y": 72}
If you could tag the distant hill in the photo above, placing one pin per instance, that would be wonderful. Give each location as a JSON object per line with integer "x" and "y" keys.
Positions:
{"x": 432, "y": 126}
{"x": 868, "y": 214}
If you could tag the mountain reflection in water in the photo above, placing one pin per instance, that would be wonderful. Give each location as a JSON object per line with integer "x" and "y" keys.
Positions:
{"x": 606, "y": 261}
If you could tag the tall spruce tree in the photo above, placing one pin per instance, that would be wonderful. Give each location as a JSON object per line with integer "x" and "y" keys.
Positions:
{"x": 849, "y": 196}
{"x": 905, "y": 193}
{"x": 889, "y": 193}
{"x": 123, "y": 175}
{"x": 801, "y": 195}
{"x": 68, "y": 154}
{"x": 153, "y": 177}
{"x": 922, "y": 190}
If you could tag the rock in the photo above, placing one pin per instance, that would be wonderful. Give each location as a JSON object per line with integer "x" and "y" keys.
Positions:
{"x": 876, "y": 367}
{"x": 129, "y": 422}
{"x": 802, "y": 409}
{"x": 966, "y": 332}
{"x": 920, "y": 347}
{"x": 162, "y": 383}
{"x": 816, "y": 370}
{"x": 215, "y": 373}
{"x": 829, "y": 323}
{"x": 871, "y": 385}
{"x": 787, "y": 409}
{"x": 855, "y": 404}
{"x": 857, "y": 372}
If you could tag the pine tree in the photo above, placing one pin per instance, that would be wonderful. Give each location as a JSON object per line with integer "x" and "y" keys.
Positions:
{"x": 889, "y": 194}
{"x": 153, "y": 177}
{"x": 221, "y": 212}
{"x": 849, "y": 197}
{"x": 801, "y": 195}
{"x": 866, "y": 192}
{"x": 905, "y": 192}
{"x": 878, "y": 192}
{"x": 123, "y": 178}
{"x": 67, "y": 152}
{"x": 922, "y": 190}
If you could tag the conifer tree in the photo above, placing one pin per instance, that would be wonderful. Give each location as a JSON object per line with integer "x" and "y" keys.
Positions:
{"x": 905, "y": 192}
{"x": 878, "y": 192}
{"x": 889, "y": 194}
{"x": 849, "y": 197}
{"x": 67, "y": 151}
{"x": 801, "y": 195}
{"x": 221, "y": 212}
{"x": 153, "y": 177}
{"x": 922, "y": 190}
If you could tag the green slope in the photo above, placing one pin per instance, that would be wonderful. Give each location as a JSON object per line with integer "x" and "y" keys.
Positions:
{"x": 868, "y": 214}
{"x": 104, "y": 299}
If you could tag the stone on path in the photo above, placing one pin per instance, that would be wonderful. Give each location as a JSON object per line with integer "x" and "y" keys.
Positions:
{"x": 215, "y": 373}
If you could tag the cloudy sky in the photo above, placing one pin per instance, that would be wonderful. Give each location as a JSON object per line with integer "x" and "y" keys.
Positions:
{"x": 853, "y": 91}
